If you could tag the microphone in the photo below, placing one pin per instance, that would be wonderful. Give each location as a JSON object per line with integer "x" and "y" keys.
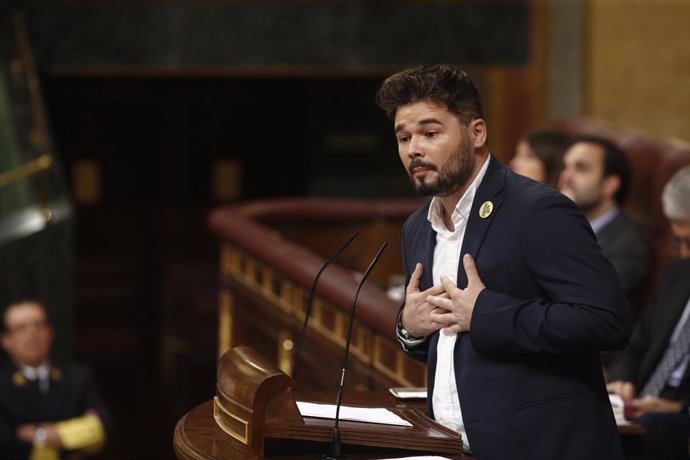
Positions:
{"x": 336, "y": 447}
{"x": 307, "y": 313}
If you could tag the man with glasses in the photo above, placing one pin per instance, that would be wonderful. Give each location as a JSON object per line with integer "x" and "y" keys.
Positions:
{"x": 653, "y": 372}
{"x": 46, "y": 411}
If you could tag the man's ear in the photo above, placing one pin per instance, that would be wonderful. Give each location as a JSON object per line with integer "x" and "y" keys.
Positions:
{"x": 610, "y": 185}
{"x": 477, "y": 129}
{"x": 4, "y": 338}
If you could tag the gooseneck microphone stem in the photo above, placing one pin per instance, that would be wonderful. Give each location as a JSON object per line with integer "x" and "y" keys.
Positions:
{"x": 310, "y": 302}
{"x": 336, "y": 446}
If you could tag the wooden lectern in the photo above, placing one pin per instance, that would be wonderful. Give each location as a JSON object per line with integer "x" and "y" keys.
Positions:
{"x": 254, "y": 403}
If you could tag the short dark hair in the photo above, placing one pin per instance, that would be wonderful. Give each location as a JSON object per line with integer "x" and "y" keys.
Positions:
{"x": 14, "y": 303}
{"x": 549, "y": 146}
{"x": 615, "y": 164}
{"x": 439, "y": 84}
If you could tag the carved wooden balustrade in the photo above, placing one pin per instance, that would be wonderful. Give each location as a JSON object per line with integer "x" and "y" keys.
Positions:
{"x": 270, "y": 253}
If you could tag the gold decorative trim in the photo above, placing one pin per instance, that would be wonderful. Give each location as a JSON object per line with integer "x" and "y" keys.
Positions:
{"x": 87, "y": 181}
{"x": 286, "y": 345}
{"x": 219, "y": 412}
{"x": 55, "y": 374}
{"x": 18, "y": 379}
{"x": 267, "y": 281}
{"x": 225, "y": 323}
{"x": 328, "y": 320}
{"x": 227, "y": 180}
{"x": 27, "y": 169}
{"x": 286, "y": 296}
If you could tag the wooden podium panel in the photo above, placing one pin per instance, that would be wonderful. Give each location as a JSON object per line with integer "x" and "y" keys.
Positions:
{"x": 254, "y": 416}
{"x": 254, "y": 413}
{"x": 197, "y": 437}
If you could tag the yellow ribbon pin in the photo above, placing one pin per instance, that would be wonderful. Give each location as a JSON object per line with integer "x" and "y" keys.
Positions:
{"x": 55, "y": 374}
{"x": 18, "y": 379}
{"x": 486, "y": 209}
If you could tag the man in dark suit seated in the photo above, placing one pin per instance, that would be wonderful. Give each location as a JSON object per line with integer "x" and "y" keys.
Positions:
{"x": 653, "y": 372}
{"x": 46, "y": 411}
{"x": 509, "y": 299}
{"x": 596, "y": 176}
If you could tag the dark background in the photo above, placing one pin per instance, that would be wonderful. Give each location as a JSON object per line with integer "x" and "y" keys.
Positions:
{"x": 156, "y": 92}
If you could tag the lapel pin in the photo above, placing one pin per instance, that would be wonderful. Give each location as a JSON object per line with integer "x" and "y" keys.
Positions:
{"x": 55, "y": 374}
{"x": 18, "y": 379}
{"x": 486, "y": 209}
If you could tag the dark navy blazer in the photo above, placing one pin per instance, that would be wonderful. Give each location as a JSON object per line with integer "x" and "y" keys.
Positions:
{"x": 70, "y": 395}
{"x": 528, "y": 373}
{"x": 654, "y": 329}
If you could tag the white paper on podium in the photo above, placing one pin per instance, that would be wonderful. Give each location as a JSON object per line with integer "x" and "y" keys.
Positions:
{"x": 356, "y": 414}
{"x": 618, "y": 406}
{"x": 423, "y": 457}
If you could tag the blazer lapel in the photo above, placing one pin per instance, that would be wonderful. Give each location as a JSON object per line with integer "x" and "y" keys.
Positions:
{"x": 678, "y": 298}
{"x": 428, "y": 258}
{"x": 425, "y": 241}
{"x": 675, "y": 297}
{"x": 26, "y": 393}
{"x": 478, "y": 222}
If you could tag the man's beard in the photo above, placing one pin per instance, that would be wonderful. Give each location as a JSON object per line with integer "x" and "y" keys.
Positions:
{"x": 587, "y": 203}
{"x": 453, "y": 174}
{"x": 590, "y": 204}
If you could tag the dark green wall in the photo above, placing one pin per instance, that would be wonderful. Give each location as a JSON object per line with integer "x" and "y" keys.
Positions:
{"x": 341, "y": 34}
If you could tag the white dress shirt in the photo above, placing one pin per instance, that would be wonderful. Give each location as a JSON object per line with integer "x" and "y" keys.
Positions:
{"x": 445, "y": 400}
{"x": 40, "y": 373}
{"x": 602, "y": 221}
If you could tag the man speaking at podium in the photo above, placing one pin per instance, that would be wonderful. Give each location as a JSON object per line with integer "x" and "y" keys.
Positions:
{"x": 509, "y": 298}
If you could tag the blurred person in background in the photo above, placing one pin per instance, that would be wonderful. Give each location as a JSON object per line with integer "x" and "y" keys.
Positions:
{"x": 652, "y": 373}
{"x": 46, "y": 411}
{"x": 597, "y": 176}
{"x": 539, "y": 155}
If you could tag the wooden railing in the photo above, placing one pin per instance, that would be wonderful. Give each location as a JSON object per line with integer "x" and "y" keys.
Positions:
{"x": 270, "y": 252}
